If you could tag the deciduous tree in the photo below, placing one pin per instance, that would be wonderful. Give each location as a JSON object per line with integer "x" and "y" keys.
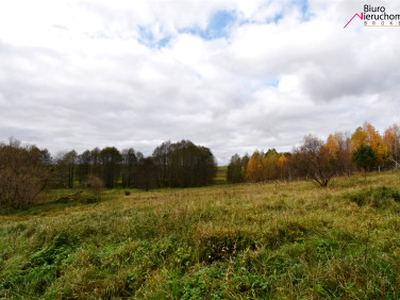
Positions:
{"x": 184, "y": 164}
{"x": 391, "y": 139}
{"x": 84, "y": 166}
{"x": 128, "y": 167}
{"x": 313, "y": 159}
{"x": 23, "y": 174}
{"x": 255, "y": 167}
{"x": 234, "y": 173}
{"x": 338, "y": 147}
{"x": 270, "y": 166}
{"x": 369, "y": 136}
{"x": 376, "y": 142}
{"x": 110, "y": 159}
{"x": 284, "y": 166}
{"x": 146, "y": 174}
{"x": 64, "y": 173}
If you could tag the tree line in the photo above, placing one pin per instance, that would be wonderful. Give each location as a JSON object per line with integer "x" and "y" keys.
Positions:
{"x": 26, "y": 170}
{"x": 341, "y": 154}
{"x": 181, "y": 164}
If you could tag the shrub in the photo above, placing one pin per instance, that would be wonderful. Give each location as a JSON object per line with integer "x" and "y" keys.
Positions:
{"x": 23, "y": 174}
{"x": 378, "y": 197}
{"x": 95, "y": 185}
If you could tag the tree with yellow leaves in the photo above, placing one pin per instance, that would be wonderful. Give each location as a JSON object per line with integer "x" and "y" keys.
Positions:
{"x": 376, "y": 143}
{"x": 338, "y": 147}
{"x": 391, "y": 139}
{"x": 369, "y": 136}
{"x": 284, "y": 166}
{"x": 357, "y": 139}
{"x": 255, "y": 168}
{"x": 270, "y": 166}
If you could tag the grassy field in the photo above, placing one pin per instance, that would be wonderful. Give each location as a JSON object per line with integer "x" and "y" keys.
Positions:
{"x": 273, "y": 240}
{"x": 220, "y": 177}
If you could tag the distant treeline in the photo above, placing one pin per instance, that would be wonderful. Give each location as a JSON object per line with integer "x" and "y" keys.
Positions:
{"x": 25, "y": 171}
{"x": 341, "y": 154}
{"x": 181, "y": 164}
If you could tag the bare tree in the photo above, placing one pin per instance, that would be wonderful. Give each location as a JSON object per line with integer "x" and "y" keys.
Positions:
{"x": 313, "y": 159}
{"x": 23, "y": 174}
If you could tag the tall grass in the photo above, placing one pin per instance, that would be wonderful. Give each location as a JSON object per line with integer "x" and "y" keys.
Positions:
{"x": 245, "y": 241}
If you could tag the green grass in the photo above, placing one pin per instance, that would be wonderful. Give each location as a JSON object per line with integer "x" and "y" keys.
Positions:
{"x": 277, "y": 240}
{"x": 220, "y": 177}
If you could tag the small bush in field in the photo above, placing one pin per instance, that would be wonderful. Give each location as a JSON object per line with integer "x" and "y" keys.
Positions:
{"x": 96, "y": 186}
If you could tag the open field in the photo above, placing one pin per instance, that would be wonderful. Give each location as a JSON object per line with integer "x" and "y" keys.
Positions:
{"x": 220, "y": 176}
{"x": 245, "y": 241}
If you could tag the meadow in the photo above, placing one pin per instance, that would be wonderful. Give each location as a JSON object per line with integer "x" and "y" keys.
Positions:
{"x": 271, "y": 240}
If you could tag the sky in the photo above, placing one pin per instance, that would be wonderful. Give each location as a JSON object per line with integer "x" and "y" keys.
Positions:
{"x": 233, "y": 76}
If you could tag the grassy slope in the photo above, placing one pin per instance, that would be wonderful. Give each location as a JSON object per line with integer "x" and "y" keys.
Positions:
{"x": 233, "y": 242}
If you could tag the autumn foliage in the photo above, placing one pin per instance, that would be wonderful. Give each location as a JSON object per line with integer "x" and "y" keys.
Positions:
{"x": 25, "y": 171}
{"x": 321, "y": 160}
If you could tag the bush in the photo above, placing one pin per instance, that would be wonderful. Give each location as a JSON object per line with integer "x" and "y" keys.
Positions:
{"x": 95, "y": 185}
{"x": 379, "y": 197}
{"x": 23, "y": 174}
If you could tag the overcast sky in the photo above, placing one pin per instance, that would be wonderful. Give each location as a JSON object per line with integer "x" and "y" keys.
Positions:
{"x": 234, "y": 76}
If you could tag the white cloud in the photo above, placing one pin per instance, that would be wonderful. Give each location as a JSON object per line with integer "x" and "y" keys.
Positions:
{"x": 77, "y": 75}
